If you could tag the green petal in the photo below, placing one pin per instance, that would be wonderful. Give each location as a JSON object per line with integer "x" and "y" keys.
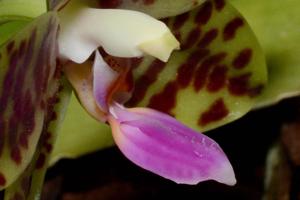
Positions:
{"x": 155, "y": 8}
{"x": 29, "y": 184}
{"x": 276, "y": 24}
{"x": 214, "y": 78}
{"x": 27, "y": 87}
{"x": 16, "y": 9}
{"x": 10, "y": 28}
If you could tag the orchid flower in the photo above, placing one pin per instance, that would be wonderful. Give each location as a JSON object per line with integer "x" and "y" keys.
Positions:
{"x": 151, "y": 139}
{"x": 215, "y": 96}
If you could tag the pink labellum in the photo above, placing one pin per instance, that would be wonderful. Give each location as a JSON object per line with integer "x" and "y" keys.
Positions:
{"x": 103, "y": 79}
{"x": 161, "y": 144}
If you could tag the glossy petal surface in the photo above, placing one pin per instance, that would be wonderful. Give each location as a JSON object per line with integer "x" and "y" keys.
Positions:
{"x": 160, "y": 144}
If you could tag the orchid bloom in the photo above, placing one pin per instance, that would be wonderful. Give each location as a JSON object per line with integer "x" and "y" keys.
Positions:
{"x": 153, "y": 140}
{"x": 34, "y": 94}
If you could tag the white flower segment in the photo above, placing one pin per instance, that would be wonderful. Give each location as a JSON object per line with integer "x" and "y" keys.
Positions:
{"x": 121, "y": 33}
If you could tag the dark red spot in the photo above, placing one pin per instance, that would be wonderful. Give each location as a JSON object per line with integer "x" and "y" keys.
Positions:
{"x": 148, "y": 78}
{"x": 239, "y": 85}
{"x": 48, "y": 147}
{"x": 43, "y": 105}
{"x": 191, "y": 39}
{"x": 148, "y": 2}
{"x": 216, "y": 112}
{"x": 166, "y": 100}
{"x": 28, "y": 120}
{"x": 2, "y": 180}
{"x": 22, "y": 48}
{"x": 10, "y": 46}
{"x": 180, "y": 20}
{"x": 18, "y": 105}
{"x": 18, "y": 89}
{"x": 60, "y": 88}
{"x": 40, "y": 161}
{"x": 110, "y": 3}
{"x": 47, "y": 136}
{"x": 255, "y": 91}
{"x": 51, "y": 101}
{"x": 13, "y": 130}
{"x": 208, "y": 38}
{"x": 23, "y": 140}
{"x": 8, "y": 82}
{"x": 204, "y": 13}
{"x": 242, "y": 59}
{"x": 15, "y": 154}
{"x": 203, "y": 71}
{"x": 219, "y": 4}
{"x": 231, "y": 28}
{"x": 57, "y": 73}
{"x": 217, "y": 79}
{"x": 186, "y": 70}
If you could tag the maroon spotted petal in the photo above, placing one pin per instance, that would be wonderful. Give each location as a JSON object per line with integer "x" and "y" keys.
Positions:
{"x": 28, "y": 79}
{"x": 215, "y": 77}
{"x": 29, "y": 183}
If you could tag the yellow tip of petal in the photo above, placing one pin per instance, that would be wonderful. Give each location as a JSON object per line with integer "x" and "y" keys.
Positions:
{"x": 161, "y": 47}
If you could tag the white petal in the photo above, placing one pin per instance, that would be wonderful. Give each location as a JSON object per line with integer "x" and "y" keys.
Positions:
{"x": 121, "y": 33}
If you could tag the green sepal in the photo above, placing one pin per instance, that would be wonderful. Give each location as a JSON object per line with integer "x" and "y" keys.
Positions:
{"x": 28, "y": 77}
{"x": 277, "y": 25}
{"x": 29, "y": 184}
{"x": 21, "y": 9}
{"x": 8, "y": 29}
{"x": 214, "y": 79}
